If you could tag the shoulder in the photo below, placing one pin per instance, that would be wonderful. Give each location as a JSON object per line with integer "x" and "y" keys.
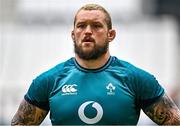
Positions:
{"x": 46, "y": 79}
{"x": 58, "y": 69}
{"x": 136, "y": 76}
{"x": 42, "y": 84}
{"x": 128, "y": 67}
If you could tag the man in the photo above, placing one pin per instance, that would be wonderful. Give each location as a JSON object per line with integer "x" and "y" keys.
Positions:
{"x": 94, "y": 87}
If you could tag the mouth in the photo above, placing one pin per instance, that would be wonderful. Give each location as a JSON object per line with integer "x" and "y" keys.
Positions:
{"x": 88, "y": 39}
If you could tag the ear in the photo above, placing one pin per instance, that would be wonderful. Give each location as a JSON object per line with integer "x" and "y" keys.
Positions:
{"x": 111, "y": 35}
{"x": 72, "y": 36}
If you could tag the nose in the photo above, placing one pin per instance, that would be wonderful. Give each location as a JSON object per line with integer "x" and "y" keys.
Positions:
{"x": 88, "y": 30}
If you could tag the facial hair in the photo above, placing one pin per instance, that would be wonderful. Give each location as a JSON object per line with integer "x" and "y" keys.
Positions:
{"x": 94, "y": 54}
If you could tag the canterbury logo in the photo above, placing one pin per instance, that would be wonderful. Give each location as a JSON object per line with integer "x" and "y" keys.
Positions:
{"x": 69, "y": 88}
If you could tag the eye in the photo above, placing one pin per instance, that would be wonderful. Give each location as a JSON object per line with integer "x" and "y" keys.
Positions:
{"x": 81, "y": 25}
{"x": 97, "y": 25}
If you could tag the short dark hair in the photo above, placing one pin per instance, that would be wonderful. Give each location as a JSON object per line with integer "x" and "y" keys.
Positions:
{"x": 96, "y": 7}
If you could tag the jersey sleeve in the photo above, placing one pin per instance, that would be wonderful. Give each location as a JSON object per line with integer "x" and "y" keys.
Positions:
{"x": 38, "y": 93}
{"x": 148, "y": 89}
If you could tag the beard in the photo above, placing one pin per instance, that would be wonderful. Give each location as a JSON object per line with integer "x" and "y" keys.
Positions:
{"x": 94, "y": 54}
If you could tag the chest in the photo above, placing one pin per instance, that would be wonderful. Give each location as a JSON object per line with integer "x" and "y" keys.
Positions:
{"x": 92, "y": 99}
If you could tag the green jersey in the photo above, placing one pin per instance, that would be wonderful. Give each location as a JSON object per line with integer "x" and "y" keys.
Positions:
{"x": 111, "y": 95}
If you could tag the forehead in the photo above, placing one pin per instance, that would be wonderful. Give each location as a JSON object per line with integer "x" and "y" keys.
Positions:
{"x": 90, "y": 15}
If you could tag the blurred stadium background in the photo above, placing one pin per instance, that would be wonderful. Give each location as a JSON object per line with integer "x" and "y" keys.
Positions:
{"x": 35, "y": 35}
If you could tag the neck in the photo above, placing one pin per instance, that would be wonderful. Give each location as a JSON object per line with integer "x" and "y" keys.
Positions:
{"x": 93, "y": 64}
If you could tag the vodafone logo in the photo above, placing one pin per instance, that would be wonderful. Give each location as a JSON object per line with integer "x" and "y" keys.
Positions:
{"x": 93, "y": 120}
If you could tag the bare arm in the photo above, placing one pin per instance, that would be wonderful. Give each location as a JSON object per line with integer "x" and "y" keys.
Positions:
{"x": 28, "y": 114}
{"x": 164, "y": 112}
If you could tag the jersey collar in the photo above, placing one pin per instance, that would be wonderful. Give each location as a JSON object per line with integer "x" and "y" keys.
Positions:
{"x": 92, "y": 70}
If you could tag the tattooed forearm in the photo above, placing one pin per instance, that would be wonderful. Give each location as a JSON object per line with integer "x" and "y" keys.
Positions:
{"x": 28, "y": 114}
{"x": 164, "y": 112}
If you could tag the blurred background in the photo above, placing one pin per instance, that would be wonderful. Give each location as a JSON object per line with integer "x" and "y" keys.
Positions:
{"x": 35, "y": 35}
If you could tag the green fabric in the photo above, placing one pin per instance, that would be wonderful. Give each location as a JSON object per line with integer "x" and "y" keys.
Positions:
{"x": 112, "y": 94}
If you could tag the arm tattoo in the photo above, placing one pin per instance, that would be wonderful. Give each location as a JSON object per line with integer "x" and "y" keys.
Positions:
{"x": 28, "y": 114}
{"x": 164, "y": 112}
